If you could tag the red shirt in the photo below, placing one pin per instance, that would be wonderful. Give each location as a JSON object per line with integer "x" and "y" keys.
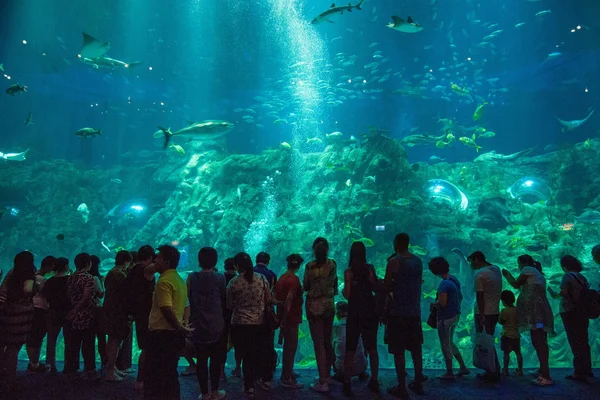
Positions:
{"x": 287, "y": 283}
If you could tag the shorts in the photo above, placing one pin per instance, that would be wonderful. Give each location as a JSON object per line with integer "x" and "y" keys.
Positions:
{"x": 404, "y": 334}
{"x": 142, "y": 332}
{"x": 508, "y": 344}
{"x": 39, "y": 328}
{"x": 357, "y": 328}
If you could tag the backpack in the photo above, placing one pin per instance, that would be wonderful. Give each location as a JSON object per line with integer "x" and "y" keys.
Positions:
{"x": 589, "y": 301}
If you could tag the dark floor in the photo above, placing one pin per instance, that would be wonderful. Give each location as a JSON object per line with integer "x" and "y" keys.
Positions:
{"x": 47, "y": 387}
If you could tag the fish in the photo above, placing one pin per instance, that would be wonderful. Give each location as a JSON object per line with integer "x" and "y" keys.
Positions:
{"x": 60, "y": 237}
{"x": 418, "y": 250}
{"x": 492, "y": 156}
{"x": 92, "y": 47}
{"x": 470, "y": 142}
{"x": 333, "y": 10}
{"x": 588, "y": 217}
{"x": 313, "y": 140}
{"x": 576, "y": 123}
{"x": 537, "y": 247}
{"x": 14, "y": 156}
{"x": 205, "y": 130}
{"x": 420, "y": 139}
{"x": 366, "y": 241}
{"x": 1, "y": 67}
{"x": 88, "y": 132}
{"x": 285, "y": 145}
{"x": 93, "y": 53}
{"x": 177, "y": 148}
{"x": 29, "y": 119}
{"x": 436, "y": 159}
{"x": 432, "y": 294}
{"x": 406, "y": 26}
{"x": 116, "y": 180}
{"x": 543, "y": 13}
{"x": 479, "y": 111}
{"x": 16, "y": 89}
{"x": 520, "y": 24}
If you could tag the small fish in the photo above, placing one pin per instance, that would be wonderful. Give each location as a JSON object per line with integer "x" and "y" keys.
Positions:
{"x": 435, "y": 159}
{"x": 60, "y": 237}
{"x": 432, "y": 294}
{"x": 280, "y": 121}
{"x": 406, "y": 26}
{"x": 348, "y": 183}
{"x": 418, "y": 250}
{"x": 401, "y": 202}
{"x": 479, "y": 111}
{"x": 333, "y": 10}
{"x": 285, "y": 145}
{"x": 543, "y": 13}
{"x": 29, "y": 119}
{"x": 537, "y": 247}
{"x": 178, "y": 148}
{"x": 88, "y": 132}
{"x": 314, "y": 140}
{"x": 15, "y": 89}
{"x": 1, "y": 67}
{"x": 366, "y": 241}
{"x": 520, "y": 24}
{"x": 117, "y": 181}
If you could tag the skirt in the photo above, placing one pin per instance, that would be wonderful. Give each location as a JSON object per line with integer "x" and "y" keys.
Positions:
{"x": 15, "y": 323}
{"x": 534, "y": 311}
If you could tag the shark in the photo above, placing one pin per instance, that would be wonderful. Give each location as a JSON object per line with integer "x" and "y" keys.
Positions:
{"x": 94, "y": 53}
{"x": 492, "y": 156}
{"x": 406, "y": 26}
{"x": 576, "y": 123}
{"x": 333, "y": 10}
{"x": 14, "y": 156}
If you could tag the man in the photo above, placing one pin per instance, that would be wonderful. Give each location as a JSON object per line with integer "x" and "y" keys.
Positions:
{"x": 403, "y": 279}
{"x": 267, "y": 365}
{"x": 487, "y": 281}
{"x": 167, "y": 329}
{"x": 140, "y": 282}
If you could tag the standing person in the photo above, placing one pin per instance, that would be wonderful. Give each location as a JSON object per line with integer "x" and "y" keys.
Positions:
{"x": 320, "y": 283}
{"x": 206, "y": 291}
{"x": 359, "y": 287}
{"x": 125, "y": 357}
{"x": 56, "y": 291}
{"x": 79, "y": 333}
{"x": 16, "y": 316}
{"x": 533, "y": 311}
{"x": 288, "y": 292}
{"x": 268, "y": 360}
{"x": 167, "y": 329}
{"x": 247, "y": 295}
{"x": 230, "y": 273}
{"x": 116, "y": 312}
{"x": 98, "y": 315}
{"x": 140, "y": 284}
{"x": 448, "y": 300}
{"x": 576, "y": 324}
{"x": 487, "y": 281}
{"x": 359, "y": 361}
{"x": 403, "y": 278}
{"x": 510, "y": 338}
{"x": 39, "y": 326}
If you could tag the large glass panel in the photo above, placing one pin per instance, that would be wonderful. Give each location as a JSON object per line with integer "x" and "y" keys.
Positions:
{"x": 258, "y": 126}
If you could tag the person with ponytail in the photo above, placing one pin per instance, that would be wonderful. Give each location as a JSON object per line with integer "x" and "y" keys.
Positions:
{"x": 321, "y": 285}
{"x": 247, "y": 296}
{"x": 534, "y": 313}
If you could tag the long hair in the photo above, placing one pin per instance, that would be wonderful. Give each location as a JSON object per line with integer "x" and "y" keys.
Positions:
{"x": 358, "y": 260}
{"x": 321, "y": 249}
{"x": 244, "y": 263}
{"x": 95, "y": 269}
{"x": 23, "y": 270}
{"x": 526, "y": 259}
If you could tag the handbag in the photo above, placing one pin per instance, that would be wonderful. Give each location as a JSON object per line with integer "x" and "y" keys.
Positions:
{"x": 270, "y": 318}
{"x": 432, "y": 320}
{"x": 484, "y": 352}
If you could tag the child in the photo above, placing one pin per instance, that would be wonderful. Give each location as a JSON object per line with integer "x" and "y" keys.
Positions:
{"x": 339, "y": 345}
{"x": 510, "y": 340}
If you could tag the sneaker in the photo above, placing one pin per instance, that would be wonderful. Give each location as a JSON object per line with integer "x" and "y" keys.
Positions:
{"x": 541, "y": 381}
{"x": 319, "y": 387}
{"x": 249, "y": 393}
{"x": 463, "y": 372}
{"x": 218, "y": 395}
{"x": 40, "y": 368}
{"x": 347, "y": 390}
{"x": 190, "y": 370}
{"x": 265, "y": 385}
{"x": 290, "y": 384}
{"x": 373, "y": 386}
{"x": 236, "y": 373}
{"x": 113, "y": 379}
{"x": 128, "y": 371}
{"x": 399, "y": 392}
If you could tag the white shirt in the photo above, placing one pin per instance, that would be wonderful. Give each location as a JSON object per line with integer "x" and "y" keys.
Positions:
{"x": 489, "y": 281}
{"x": 534, "y": 277}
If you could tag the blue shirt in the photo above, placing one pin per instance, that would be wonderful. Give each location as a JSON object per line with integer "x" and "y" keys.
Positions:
{"x": 269, "y": 275}
{"x": 407, "y": 287}
{"x": 207, "y": 300}
{"x": 450, "y": 286}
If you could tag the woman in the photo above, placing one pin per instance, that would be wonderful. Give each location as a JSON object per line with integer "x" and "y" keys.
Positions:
{"x": 533, "y": 311}
{"x": 116, "y": 313}
{"x": 359, "y": 285}
{"x": 288, "y": 291}
{"x": 572, "y": 286}
{"x": 98, "y": 302}
{"x": 16, "y": 316}
{"x": 447, "y": 304}
{"x": 247, "y": 296}
{"x": 56, "y": 292}
{"x": 321, "y": 285}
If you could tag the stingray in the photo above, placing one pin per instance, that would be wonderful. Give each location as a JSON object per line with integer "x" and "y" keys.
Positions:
{"x": 494, "y": 213}
{"x": 92, "y": 47}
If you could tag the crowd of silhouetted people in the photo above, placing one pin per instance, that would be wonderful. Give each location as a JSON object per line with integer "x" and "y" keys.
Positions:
{"x": 249, "y": 309}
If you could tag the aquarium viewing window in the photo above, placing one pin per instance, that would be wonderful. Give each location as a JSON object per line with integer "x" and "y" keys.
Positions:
{"x": 530, "y": 190}
{"x": 439, "y": 190}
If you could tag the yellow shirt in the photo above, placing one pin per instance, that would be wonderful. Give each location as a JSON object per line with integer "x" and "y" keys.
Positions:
{"x": 170, "y": 291}
{"x": 508, "y": 320}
